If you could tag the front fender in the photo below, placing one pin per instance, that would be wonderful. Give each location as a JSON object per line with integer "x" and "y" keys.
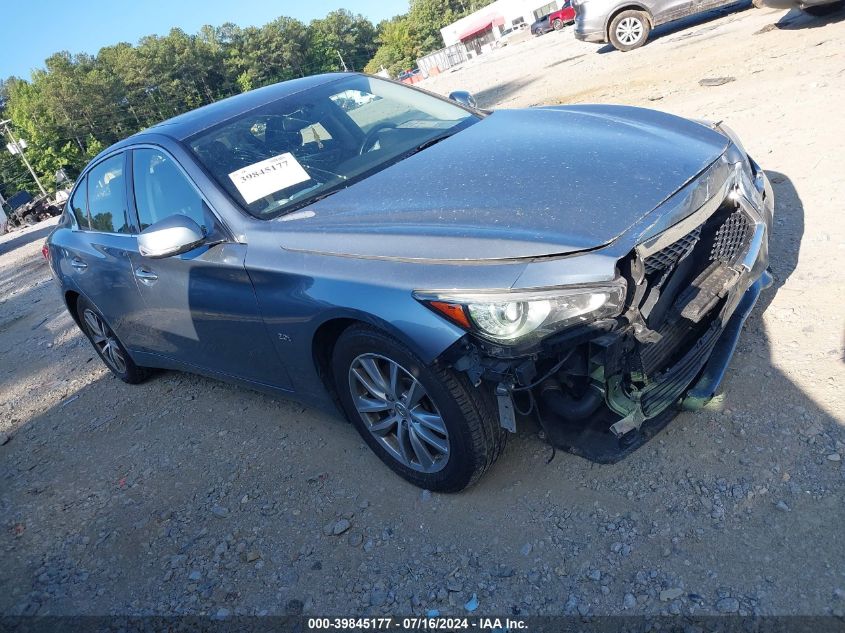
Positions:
{"x": 294, "y": 307}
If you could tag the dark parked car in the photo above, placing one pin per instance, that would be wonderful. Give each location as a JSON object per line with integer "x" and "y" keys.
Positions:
{"x": 387, "y": 259}
{"x": 541, "y": 26}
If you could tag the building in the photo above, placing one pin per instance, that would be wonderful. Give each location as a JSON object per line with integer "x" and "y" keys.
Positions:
{"x": 484, "y": 29}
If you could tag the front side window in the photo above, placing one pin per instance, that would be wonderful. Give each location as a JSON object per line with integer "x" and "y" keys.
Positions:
{"x": 79, "y": 205}
{"x": 107, "y": 197}
{"x": 162, "y": 190}
{"x": 282, "y": 156}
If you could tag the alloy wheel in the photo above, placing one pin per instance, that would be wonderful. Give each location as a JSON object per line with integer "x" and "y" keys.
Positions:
{"x": 399, "y": 413}
{"x": 629, "y": 31}
{"x": 105, "y": 341}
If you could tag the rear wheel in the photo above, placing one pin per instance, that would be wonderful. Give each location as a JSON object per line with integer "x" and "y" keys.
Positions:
{"x": 629, "y": 30}
{"x": 428, "y": 424}
{"x": 108, "y": 346}
{"x": 558, "y": 24}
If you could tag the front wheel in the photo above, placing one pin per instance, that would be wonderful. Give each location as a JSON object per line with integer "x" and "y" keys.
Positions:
{"x": 428, "y": 424}
{"x": 629, "y": 30}
{"x": 557, "y": 24}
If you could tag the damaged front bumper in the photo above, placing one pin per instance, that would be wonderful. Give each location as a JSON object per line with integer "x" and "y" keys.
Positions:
{"x": 721, "y": 297}
{"x": 603, "y": 390}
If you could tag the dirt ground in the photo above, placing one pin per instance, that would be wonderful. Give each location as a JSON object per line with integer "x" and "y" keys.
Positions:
{"x": 186, "y": 495}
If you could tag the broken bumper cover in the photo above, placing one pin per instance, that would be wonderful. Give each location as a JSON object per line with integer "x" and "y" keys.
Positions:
{"x": 642, "y": 394}
{"x": 717, "y": 364}
{"x": 604, "y": 388}
{"x": 693, "y": 380}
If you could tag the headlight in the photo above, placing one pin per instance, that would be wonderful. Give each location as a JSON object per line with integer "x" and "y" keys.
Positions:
{"x": 518, "y": 316}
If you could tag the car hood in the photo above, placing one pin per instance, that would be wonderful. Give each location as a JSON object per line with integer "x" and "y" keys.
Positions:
{"x": 517, "y": 184}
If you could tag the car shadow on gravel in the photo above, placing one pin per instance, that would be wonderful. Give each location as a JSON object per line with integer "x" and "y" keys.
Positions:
{"x": 25, "y": 238}
{"x": 671, "y": 28}
{"x": 493, "y": 95}
{"x": 795, "y": 19}
{"x": 786, "y": 236}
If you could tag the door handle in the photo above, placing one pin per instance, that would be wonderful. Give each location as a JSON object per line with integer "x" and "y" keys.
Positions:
{"x": 145, "y": 276}
{"x": 78, "y": 264}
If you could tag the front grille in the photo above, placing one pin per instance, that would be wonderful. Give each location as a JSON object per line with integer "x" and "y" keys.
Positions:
{"x": 731, "y": 238}
{"x": 672, "y": 382}
{"x": 685, "y": 282}
{"x": 657, "y": 355}
{"x": 669, "y": 256}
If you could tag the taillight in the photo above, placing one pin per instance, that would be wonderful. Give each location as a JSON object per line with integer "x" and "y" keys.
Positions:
{"x": 45, "y": 250}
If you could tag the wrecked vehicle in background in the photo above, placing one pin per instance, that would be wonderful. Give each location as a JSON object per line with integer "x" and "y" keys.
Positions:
{"x": 386, "y": 258}
{"x": 28, "y": 210}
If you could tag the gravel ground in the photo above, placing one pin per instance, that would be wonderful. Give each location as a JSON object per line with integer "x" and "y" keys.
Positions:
{"x": 186, "y": 495}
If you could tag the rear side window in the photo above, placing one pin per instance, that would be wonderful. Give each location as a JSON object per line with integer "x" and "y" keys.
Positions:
{"x": 107, "y": 197}
{"x": 79, "y": 206}
{"x": 162, "y": 190}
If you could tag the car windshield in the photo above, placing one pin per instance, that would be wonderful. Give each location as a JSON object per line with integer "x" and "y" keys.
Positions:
{"x": 291, "y": 152}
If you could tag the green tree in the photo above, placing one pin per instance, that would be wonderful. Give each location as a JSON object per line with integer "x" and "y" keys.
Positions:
{"x": 405, "y": 38}
{"x": 261, "y": 56}
{"x": 341, "y": 34}
{"x": 78, "y": 104}
{"x": 397, "y": 50}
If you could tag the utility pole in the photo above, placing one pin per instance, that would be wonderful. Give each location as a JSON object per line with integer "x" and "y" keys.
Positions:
{"x": 17, "y": 146}
{"x": 342, "y": 62}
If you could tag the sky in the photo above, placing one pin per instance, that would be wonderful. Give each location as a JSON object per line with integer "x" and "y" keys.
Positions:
{"x": 32, "y": 31}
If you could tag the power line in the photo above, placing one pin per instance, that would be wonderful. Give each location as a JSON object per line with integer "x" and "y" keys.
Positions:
{"x": 19, "y": 148}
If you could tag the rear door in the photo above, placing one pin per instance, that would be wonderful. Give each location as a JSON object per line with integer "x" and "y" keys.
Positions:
{"x": 96, "y": 255}
{"x": 199, "y": 308}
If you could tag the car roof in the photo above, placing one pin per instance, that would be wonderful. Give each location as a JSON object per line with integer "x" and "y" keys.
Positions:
{"x": 186, "y": 125}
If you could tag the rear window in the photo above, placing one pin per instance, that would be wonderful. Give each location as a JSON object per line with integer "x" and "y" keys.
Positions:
{"x": 79, "y": 205}
{"x": 107, "y": 209}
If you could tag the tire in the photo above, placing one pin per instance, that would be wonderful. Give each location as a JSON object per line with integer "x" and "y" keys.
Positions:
{"x": 466, "y": 423}
{"x": 629, "y": 30}
{"x": 558, "y": 24}
{"x": 109, "y": 348}
{"x": 823, "y": 10}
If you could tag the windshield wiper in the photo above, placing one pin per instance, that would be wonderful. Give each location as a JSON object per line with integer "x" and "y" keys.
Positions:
{"x": 429, "y": 143}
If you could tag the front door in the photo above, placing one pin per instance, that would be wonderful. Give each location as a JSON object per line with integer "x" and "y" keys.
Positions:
{"x": 199, "y": 307}
{"x": 668, "y": 10}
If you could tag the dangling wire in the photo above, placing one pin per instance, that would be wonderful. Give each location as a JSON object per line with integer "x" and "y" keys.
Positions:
{"x": 540, "y": 423}
{"x": 531, "y": 405}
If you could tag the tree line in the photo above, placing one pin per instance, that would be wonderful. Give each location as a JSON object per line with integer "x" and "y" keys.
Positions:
{"x": 78, "y": 104}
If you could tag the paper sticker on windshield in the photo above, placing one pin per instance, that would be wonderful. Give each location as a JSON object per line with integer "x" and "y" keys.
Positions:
{"x": 268, "y": 176}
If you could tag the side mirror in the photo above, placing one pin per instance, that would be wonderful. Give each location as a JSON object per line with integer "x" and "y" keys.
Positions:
{"x": 464, "y": 98}
{"x": 174, "y": 235}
